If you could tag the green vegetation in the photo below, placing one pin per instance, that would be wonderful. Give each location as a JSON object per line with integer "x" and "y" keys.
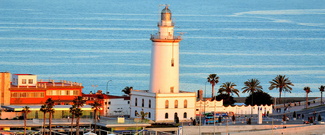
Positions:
{"x": 282, "y": 83}
{"x": 260, "y": 98}
{"x": 213, "y": 79}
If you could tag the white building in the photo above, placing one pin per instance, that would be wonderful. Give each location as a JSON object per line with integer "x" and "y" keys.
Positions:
{"x": 208, "y": 106}
{"x": 164, "y": 101}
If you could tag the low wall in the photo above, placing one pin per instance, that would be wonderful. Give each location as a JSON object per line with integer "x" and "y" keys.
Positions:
{"x": 196, "y": 130}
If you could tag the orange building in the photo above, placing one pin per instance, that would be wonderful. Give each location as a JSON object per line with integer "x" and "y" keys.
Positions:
{"x": 25, "y": 89}
{"x": 110, "y": 105}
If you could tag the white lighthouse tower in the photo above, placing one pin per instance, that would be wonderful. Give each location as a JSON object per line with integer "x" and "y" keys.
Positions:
{"x": 164, "y": 102}
{"x": 165, "y": 56}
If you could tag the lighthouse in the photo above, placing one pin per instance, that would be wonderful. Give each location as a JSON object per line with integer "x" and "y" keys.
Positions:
{"x": 164, "y": 101}
{"x": 165, "y": 56}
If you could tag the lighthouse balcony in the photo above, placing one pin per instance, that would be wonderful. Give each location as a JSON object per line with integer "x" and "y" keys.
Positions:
{"x": 166, "y": 24}
{"x": 157, "y": 37}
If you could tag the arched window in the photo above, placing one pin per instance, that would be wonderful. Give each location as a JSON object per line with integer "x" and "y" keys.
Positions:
{"x": 185, "y": 115}
{"x": 142, "y": 102}
{"x": 149, "y": 103}
{"x": 166, "y": 104}
{"x": 175, "y": 115}
{"x": 185, "y": 103}
{"x": 136, "y": 101}
{"x": 166, "y": 115}
{"x": 176, "y": 103}
{"x": 149, "y": 115}
{"x": 135, "y": 113}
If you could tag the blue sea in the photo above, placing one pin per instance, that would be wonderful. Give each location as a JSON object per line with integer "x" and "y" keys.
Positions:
{"x": 93, "y": 42}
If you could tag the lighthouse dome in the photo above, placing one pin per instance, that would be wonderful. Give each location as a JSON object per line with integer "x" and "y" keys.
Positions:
{"x": 166, "y": 14}
{"x": 166, "y": 10}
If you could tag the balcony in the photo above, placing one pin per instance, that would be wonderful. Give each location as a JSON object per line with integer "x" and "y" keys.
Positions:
{"x": 157, "y": 38}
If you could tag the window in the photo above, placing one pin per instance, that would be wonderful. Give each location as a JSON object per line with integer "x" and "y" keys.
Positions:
{"x": 136, "y": 102}
{"x": 135, "y": 113}
{"x": 166, "y": 104}
{"x": 166, "y": 115}
{"x": 185, "y": 103}
{"x": 30, "y": 81}
{"x": 175, "y": 115}
{"x": 185, "y": 115}
{"x": 23, "y": 81}
{"x": 142, "y": 103}
{"x": 171, "y": 89}
{"x": 149, "y": 103}
{"x": 75, "y": 92}
{"x": 109, "y": 102}
{"x": 149, "y": 115}
{"x": 128, "y": 102}
{"x": 176, "y": 103}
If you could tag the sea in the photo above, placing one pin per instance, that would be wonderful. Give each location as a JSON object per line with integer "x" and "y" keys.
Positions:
{"x": 105, "y": 44}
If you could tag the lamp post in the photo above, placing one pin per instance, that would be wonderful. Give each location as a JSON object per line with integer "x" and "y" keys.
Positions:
{"x": 107, "y": 86}
{"x": 205, "y": 88}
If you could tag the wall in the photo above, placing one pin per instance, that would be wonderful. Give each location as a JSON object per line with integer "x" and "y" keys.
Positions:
{"x": 217, "y": 106}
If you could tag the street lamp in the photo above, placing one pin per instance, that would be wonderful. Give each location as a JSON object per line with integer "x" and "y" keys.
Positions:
{"x": 205, "y": 88}
{"x": 107, "y": 86}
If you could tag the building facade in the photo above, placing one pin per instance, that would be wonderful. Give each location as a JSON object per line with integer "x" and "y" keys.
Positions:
{"x": 25, "y": 89}
{"x": 164, "y": 102}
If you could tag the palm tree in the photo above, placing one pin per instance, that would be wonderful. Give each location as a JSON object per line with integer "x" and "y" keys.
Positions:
{"x": 321, "y": 89}
{"x": 307, "y": 90}
{"x": 72, "y": 111}
{"x": 96, "y": 106}
{"x": 142, "y": 114}
{"x": 252, "y": 86}
{"x": 228, "y": 88}
{"x": 213, "y": 79}
{"x": 78, "y": 114}
{"x": 44, "y": 110}
{"x": 25, "y": 111}
{"x": 282, "y": 83}
{"x": 127, "y": 90}
{"x": 78, "y": 102}
{"x": 49, "y": 106}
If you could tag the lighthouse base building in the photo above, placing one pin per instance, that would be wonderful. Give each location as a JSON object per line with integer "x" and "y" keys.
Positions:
{"x": 164, "y": 102}
{"x": 163, "y": 107}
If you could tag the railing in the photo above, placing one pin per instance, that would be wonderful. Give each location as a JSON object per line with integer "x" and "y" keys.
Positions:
{"x": 157, "y": 36}
{"x": 171, "y": 24}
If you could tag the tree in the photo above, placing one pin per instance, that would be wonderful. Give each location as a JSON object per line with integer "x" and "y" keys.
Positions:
{"x": 321, "y": 89}
{"x": 251, "y": 86}
{"x": 282, "y": 83}
{"x": 96, "y": 107}
{"x": 229, "y": 88}
{"x": 78, "y": 102}
{"x": 49, "y": 107}
{"x": 307, "y": 90}
{"x": 127, "y": 90}
{"x": 44, "y": 110}
{"x": 25, "y": 112}
{"x": 73, "y": 112}
{"x": 78, "y": 114}
{"x": 260, "y": 98}
{"x": 142, "y": 114}
{"x": 213, "y": 79}
{"x": 227, "y": 99}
